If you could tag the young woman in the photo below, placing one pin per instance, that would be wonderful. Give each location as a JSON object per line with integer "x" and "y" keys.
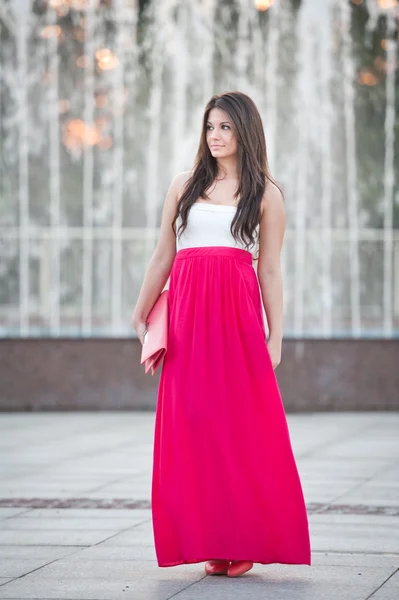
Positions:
{"x": 225, "y": 486}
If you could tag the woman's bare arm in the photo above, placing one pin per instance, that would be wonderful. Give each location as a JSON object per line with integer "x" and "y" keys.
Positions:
{"x": 161, "y": 262}
{"x": 271, "y": 235}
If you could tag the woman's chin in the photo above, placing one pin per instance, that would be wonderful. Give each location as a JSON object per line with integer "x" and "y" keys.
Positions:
{"x": 217, "y": 152}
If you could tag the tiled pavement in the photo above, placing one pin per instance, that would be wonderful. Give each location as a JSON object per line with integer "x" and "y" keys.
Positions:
{"x": 75, "y": 519}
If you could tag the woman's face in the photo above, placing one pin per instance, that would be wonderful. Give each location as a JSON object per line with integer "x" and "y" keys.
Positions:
{"x": 220, "y": 135}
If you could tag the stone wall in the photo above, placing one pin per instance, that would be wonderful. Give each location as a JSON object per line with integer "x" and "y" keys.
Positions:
{"x": 104, "y": 374}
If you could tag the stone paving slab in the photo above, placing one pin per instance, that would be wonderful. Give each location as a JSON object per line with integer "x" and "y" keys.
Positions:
{"x": 75, "y": 513}
{"x": 277, "y": 582}
{"x": 5, "y": 513}
{"x": 83, "y": 513}
{"x": 124, "y": 580}
{"x": 58, "y": 537}
{"x": 72, "y": 524}
{"x": 352, "y": 535}
{"x": 389, "y": 591}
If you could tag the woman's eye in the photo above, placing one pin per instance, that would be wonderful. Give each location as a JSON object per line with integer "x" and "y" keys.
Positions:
{"x": 223, "y": 127}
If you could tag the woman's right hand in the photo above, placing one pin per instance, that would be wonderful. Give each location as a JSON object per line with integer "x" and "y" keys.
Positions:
{"x": 140, "y": 328}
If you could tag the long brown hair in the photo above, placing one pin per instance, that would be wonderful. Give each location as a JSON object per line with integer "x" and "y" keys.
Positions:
{"x": 253, "y": 171}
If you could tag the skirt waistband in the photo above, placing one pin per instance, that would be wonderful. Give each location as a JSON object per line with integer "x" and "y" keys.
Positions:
{"x": 226, "y": 251}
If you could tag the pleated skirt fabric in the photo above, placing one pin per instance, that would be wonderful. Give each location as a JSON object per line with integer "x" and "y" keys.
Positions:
{"x": 224, "y": 483}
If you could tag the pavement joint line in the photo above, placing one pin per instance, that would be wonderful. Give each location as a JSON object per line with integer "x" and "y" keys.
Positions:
{"x": 337, "y": 459}
{"x": 70, "y": 502}
{"x": 103, "y": 485}
{"x": 356, "y": 553}
{"x": 326, "y": 552}
{"x": 38, "y": 544}
{"x": 359, "y": 509}
{"x": 116, "y": 533}
{"x": 38, "y": 568}
{"x": 19, "y": 514}
{"x": 322, "y": 508}
{"x": 186, "y": 588}
{"x": 143, "y": 504}
{"x": 382, "y": 584}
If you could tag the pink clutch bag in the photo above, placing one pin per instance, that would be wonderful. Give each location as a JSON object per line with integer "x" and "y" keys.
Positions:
{"x": 155, "y": 338}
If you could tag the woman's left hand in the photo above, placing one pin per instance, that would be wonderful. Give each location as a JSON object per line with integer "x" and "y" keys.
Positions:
{"x": 274, "y": 348}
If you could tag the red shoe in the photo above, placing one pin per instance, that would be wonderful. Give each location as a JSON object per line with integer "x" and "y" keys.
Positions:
{"x": 238, "y": 567}
{"x": 217, "y": 567}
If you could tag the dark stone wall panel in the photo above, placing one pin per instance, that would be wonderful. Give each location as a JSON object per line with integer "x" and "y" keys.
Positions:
{"x": 105, "y": 374}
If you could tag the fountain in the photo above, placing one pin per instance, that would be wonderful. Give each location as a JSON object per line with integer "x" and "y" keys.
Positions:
{"x": 98, "y": 95}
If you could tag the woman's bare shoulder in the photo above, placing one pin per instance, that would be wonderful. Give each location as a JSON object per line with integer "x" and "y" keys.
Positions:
{"x": 179, "y": 181}
{"x": 183, "y": 176}
{"x": 177, "y": 185}
{"x": 272, "y": 199}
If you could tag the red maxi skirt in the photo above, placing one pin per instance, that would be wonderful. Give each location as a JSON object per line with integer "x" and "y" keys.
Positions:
{"x": 225, "y": 483}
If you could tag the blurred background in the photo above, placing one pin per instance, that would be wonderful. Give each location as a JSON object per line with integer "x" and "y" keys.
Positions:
{"x": 98, "y": 95}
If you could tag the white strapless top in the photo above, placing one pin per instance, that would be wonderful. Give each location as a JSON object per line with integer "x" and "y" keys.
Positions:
{"x": 209, "y": 225}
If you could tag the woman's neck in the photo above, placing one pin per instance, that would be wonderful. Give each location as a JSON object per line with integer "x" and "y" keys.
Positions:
{"x": 227, "y": 168}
